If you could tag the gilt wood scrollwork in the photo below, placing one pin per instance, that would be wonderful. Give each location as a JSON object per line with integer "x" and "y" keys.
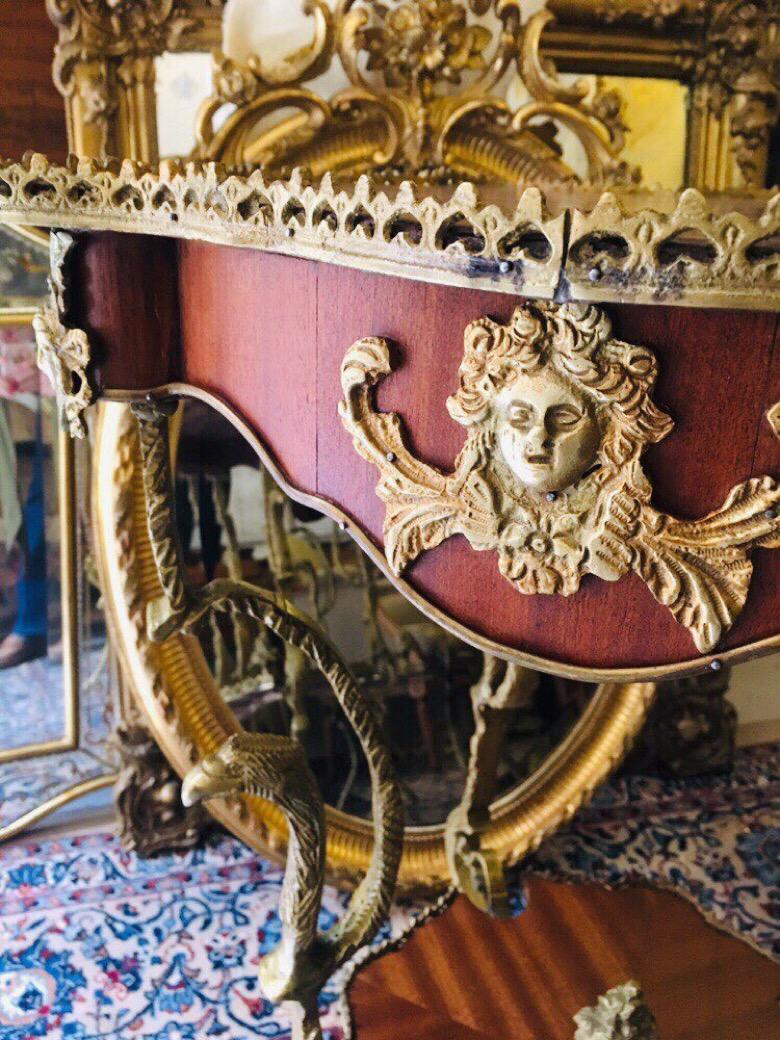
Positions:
{"x": 558, "y": 414}
{"x": 275, "y": 767}
{"x": 107, "y": 45}
{"x": 728, "y": 51}
{"x": 64, "y": 354}
{"x": 423, "y": 99}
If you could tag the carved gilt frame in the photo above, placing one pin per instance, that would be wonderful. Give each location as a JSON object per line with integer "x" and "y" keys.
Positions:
{"x": 726, "y": 51}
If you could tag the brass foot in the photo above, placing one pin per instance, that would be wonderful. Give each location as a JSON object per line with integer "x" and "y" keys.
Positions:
{"x": 476, "y": 871}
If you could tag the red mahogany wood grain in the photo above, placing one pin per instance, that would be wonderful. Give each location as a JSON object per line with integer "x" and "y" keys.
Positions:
{"x": 125, "y": 296}
{"x": 267, "y": 334}
{"x": 465, "y": 976}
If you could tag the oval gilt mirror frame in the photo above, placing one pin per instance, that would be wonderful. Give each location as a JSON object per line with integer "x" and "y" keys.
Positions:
{"x": 190, "y": 719}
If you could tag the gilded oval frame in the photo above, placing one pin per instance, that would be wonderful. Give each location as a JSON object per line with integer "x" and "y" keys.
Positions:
{"x": 172, "y": 686}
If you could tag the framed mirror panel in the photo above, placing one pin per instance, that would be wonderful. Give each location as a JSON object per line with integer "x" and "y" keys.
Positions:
{"x": 55, "y": 689}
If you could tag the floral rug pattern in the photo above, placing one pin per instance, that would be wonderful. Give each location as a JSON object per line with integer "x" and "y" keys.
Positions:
{"x": 96, "y": 944}
{"x": 713, "y": 839}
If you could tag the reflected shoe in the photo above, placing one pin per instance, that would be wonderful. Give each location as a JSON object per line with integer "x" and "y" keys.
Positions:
{"x": 16, "y": 650}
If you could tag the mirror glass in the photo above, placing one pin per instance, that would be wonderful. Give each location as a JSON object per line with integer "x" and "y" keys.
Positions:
{"x": 55, "y": 701}
{"x": 234, "y": 521}
{"x": 182, "y": 83}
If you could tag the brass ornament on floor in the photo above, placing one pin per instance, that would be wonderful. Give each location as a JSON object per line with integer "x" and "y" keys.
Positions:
{"x": 558, "y": 414}
{"x": 148, "y": 798}
{"x": 275, "y": 767}
{"x": 620, "y": 1014}
{"x": 691, "y": 728}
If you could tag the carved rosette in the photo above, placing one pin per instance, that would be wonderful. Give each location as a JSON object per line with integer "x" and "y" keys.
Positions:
{"x": 558, "y": 413}
{"x": 63, "y": 353}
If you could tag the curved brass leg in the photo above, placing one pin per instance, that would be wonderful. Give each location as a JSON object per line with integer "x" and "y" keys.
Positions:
{"x": 275, "y": 767}
{"x": 252, "y": 655}
{"x": 476, "y": 871}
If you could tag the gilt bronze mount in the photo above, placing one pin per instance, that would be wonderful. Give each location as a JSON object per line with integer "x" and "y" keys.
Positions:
{"x": 558, "y": 413}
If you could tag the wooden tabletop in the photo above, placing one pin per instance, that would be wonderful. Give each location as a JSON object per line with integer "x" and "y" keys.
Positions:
{"x": 465, "y": 976}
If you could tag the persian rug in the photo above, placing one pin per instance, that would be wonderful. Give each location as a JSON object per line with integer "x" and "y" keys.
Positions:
{"x": 96, "y": 944}
{"x": 32, "y": 699}
{"x": 713, "y": 839}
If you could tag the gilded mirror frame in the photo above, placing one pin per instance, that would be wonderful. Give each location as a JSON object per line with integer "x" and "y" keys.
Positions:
{"x": 176, "y": 692}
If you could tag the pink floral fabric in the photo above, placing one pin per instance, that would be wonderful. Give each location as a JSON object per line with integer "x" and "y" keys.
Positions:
{"x": 19, "y": 372}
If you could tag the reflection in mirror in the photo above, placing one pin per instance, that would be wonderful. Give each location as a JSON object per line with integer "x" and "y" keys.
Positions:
{"x": 234, "y": 521}
{"x": 655, "y": 113}
{"x": 31, "y": 647}
{"x": 55, "y": 698}
{"x": 182, "y": 83}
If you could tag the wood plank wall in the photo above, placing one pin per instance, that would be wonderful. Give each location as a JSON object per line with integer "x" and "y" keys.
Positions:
{"x": 32, "y": 116}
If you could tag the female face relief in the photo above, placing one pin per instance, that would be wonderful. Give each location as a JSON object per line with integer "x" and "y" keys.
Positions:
{"x": 546, "y": 431}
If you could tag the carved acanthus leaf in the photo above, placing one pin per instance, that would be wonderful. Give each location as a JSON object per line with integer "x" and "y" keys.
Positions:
{"x": 699, "y": 569}
{"x": 63, "y": 353}
{"x": 558, "y": 414}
